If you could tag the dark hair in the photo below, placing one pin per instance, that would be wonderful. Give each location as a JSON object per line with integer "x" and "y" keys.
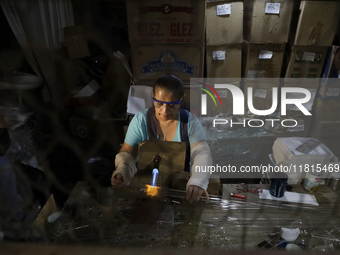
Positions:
{"x": 171, "y": 83}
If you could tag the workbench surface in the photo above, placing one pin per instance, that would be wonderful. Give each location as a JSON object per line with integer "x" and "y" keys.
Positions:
{"x": 130, "y": 218}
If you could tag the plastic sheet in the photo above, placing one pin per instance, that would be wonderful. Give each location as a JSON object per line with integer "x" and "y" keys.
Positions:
{"x": 168, "y": 221}
{"x": 25, "y": 129}
{"x": 224, "y": 131}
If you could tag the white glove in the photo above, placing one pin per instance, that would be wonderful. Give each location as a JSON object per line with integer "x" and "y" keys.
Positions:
{"x": 125, "y": 165}
{"x": 201, "y": 157}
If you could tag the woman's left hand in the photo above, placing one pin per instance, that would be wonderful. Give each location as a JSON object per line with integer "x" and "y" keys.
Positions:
{"x": 194, "y": 193}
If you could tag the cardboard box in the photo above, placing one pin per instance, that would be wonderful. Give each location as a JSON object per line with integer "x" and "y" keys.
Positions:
{"x": 262, "y": 95}
{"x": 239, "y": 152}
{"x": 306, "y": 61}
{"x": 267, "y": 21}
{"x": 150, "y": 61}
{"x": 262, "y": 60}
{"x": 224, "y": 23}
{"x": 227, "y": 102}
{"x": 331, "y": 71}
{"x": 333, "y": 144}
{"x": 173, "y": 21}
{"x": 75, "y": 42}
{"x": 318, "y": 22}
{"x": 325, "y": 129}
{"x": 224, "y": 61}
{"x": 328, "y": 102}
{"x": 327, "y": 108}
{"x": 192, "y": 99}
{"x": 301, "y": 127}
{"x": 310, "y": 84}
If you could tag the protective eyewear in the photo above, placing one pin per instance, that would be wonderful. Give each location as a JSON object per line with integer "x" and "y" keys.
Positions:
{"x": 160, "y": 104}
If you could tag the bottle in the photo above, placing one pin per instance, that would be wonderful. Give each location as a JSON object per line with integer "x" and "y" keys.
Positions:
{"x": 312, "y": 181}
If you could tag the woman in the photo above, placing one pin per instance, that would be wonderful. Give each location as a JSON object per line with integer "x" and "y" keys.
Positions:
{"x": 167, "y": 95}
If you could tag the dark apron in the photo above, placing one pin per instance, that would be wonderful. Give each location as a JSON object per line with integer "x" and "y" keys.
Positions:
{"x": 184, "y": 117}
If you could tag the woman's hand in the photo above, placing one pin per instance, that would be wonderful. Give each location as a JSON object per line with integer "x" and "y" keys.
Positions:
{"x": 118, "y": 182}
{"x": 194, "y": 193}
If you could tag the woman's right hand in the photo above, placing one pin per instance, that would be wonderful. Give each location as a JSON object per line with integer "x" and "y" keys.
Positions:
{"x": 118, "y": 182}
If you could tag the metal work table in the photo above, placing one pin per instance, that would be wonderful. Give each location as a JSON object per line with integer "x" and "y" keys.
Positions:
{"x": 128, "y": 217}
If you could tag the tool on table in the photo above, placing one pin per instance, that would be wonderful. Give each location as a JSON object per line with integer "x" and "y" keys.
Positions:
{"x": 238, "y": 195}
{"x": 246, "y": 188}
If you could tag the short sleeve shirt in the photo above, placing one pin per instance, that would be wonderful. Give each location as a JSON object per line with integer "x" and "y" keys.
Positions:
{"x": 138, "y": 129}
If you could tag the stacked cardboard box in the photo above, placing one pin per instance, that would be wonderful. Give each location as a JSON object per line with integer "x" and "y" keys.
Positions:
{"x": 166, "y": 37}
{"x": 262, "y": 60}
{"x": 331, "y": 72}
{"x": 225, "y": 107}
{"x": 224, "y": 39}
{"x": 317, "y": 23}
{"x": 328, "y": 102}
{"x": 316, "y": 27}
{"x": 328, "y": 97}
{"x": 315, "y": 32}
{"x": 306, "y": 61}
{"x": 327, "y": 110}
{"x": 266, "y": 30}
{"x": 261, "y": 93}
{"x": 303, "y": 121}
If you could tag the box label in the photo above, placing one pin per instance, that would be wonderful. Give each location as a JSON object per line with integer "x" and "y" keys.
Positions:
{"x": 311, "y": 57}
{"x": 273, "y": 8}
{"x": 308, "y": 105}
{"x": 297, "y": 128}
{"x": 255, "y": 73}
{"x": 261, "y": 93}
{"x": 222, "y": 93}
{"x": 308, "y": 56}
{"x": 333, "y": 92}
{"x": 223, "y": 9}
{"x": 219, "y": 55}
{"x": 266, "y": 54}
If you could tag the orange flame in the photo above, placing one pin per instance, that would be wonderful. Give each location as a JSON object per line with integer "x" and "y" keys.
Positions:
{"x": 151, "y": 190}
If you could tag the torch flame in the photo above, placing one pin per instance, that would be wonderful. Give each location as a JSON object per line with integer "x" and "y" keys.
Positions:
{"x": 151, "y": 190}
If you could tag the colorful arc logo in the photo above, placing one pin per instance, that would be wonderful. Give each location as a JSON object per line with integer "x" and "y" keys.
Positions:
{"x": 208, "y": 92}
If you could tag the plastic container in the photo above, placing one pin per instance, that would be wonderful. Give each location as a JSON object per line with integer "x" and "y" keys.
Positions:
{"x": 312, "y": 181}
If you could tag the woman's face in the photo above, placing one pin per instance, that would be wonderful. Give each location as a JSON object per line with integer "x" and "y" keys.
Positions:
{"x": 165, "y": 111}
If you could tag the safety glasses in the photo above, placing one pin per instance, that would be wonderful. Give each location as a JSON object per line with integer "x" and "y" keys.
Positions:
{"x": 172, "y": 105}
{"x": 247, "y": 188}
